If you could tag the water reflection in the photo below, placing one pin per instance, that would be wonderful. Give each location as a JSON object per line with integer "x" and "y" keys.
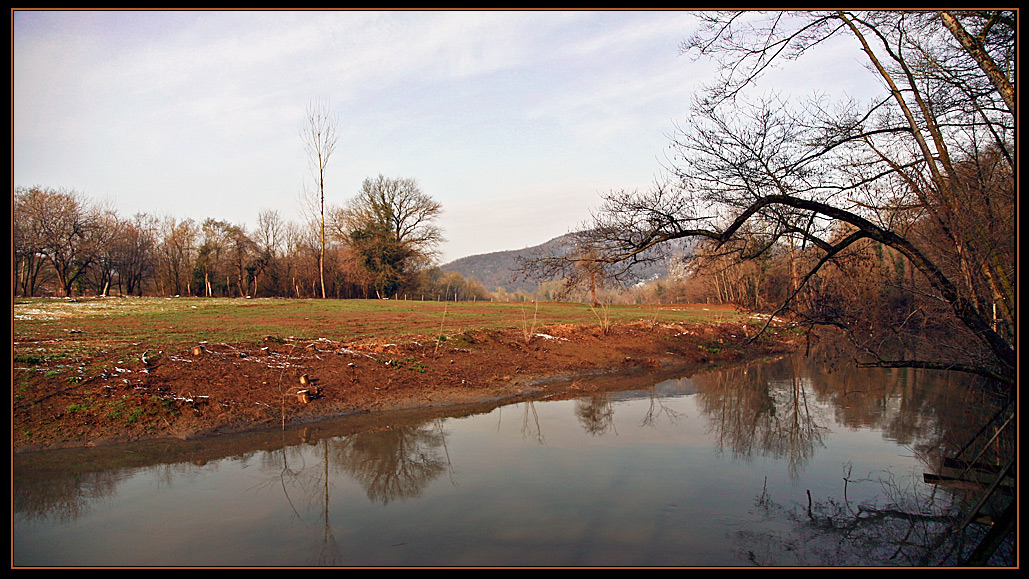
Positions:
{"x": 657, "y": 408}
{"x": 636, "y": 460}
{"x": 764, "y": 409}
{"x": 907, "y": 523}
{"x": 67, "y": 498}
{"x": 394, "y": 463}
{"x": 530, "y": 421}
{"x": 595, "y": 414}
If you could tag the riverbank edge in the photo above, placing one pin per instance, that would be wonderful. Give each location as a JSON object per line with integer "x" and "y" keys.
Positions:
{"x": 534, "y": 386}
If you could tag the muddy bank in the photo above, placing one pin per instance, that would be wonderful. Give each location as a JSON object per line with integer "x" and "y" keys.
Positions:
{"x": 212, "y": 389}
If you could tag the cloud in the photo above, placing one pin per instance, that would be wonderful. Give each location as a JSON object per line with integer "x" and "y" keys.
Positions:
{"x": 197, "y": 114}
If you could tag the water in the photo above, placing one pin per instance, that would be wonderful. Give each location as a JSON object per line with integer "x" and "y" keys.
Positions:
{"x": 731, "y": 467}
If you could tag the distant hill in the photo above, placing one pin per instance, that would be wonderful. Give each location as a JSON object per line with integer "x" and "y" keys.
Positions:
{"x": 500, "y": 268}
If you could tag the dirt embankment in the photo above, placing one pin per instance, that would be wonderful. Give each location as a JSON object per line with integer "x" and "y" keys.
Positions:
{"x": 219, "y": 388}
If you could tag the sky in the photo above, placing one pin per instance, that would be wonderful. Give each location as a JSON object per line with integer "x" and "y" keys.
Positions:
{"x": 516, "y": 122}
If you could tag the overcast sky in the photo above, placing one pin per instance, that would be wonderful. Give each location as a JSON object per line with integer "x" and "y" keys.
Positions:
{"x": 516, "y": 122}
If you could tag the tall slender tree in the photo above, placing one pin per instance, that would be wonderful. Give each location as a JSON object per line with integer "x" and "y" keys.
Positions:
{"x": 320, "y": 135}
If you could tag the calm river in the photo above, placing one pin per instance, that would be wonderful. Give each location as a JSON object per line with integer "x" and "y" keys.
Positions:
{"x": 769, "y": 463}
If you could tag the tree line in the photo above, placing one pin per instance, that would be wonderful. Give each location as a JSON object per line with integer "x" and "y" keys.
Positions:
{"x": 379, "y": 244}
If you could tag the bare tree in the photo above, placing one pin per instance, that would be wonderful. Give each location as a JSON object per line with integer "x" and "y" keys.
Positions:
{"x": 176, "y": 255}
{"x": 27, "y": 239}
{"x": 135, "y": 252}
{"x": 103, "y": 270}
{"x": 589, "y": 273}
{"x": 68, "y": 229}
{"x": 241, "y": 256}
{"x": 926, "y": 170}
{"x": 268, "y": 239}
{"x": 301, "y": 255}
{"x": 320, "y": 136}
{"x": 211, "y": 252}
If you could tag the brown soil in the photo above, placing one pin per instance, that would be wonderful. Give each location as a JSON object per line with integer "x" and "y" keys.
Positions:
{"x": 210, "y": 389}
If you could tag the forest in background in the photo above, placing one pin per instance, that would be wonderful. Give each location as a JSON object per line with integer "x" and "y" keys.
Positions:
{"x": 66, "y": 244}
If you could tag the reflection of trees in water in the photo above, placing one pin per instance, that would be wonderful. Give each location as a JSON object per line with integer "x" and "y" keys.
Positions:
{"x": 902, "y": 402}
{"x": 530, "y": 421}
{"x": 775, "y": 408}
{"x": 794, "y": 431}
{"x": 595, "y": 413}
{"x": 328, "y": 553}
{"x": 754, "y": 408}
{"x": 910, "y": 523}
{"x": 288, "y": 468}
{"x": 658, "y": 408}
{"x": 64, "y": 499}
{"x": 394, "y": 463}
{"x": 933, "y": 412}
{"x": 910, "y": 528}
{"x": 910, "y": 405}
{"x": 305, "y": 485}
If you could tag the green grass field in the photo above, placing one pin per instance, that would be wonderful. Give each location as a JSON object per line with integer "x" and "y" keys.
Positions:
{"x": 102, "y": 330}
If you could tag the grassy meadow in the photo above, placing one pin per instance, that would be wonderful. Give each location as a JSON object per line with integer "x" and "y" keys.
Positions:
{"x": 106, "y": 330}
